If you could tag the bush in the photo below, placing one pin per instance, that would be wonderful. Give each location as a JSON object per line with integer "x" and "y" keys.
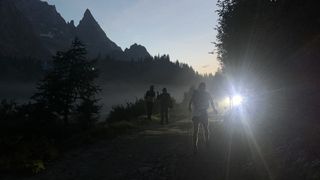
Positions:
{"x": 25, "y": 139}
{"x": 128, "y": 112}
{"x": 31, "y": 135}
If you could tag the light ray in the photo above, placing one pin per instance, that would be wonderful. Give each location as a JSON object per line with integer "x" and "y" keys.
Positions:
{"x": 248, "y": 130}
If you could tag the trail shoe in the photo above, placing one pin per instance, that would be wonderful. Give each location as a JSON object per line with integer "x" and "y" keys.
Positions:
{"x": 208, "y": 145}
{"x": 195, "y": 150}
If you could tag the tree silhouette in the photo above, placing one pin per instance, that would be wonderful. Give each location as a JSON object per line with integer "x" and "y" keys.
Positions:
{"x": 157, "y": 69}
{"x": 70, "y": 86}
{"x": 274, "y": 46}
{"x": 272, "y": 41}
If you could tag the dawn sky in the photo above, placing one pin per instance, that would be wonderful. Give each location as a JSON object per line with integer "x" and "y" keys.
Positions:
{"x": 184, "y": 29}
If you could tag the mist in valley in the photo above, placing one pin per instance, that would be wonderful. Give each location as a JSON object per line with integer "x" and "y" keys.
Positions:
{"x": 112, "y": 93}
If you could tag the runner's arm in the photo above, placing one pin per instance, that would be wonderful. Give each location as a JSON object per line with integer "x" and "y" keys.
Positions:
{"x": 212, "y": 105}
{"x": 145, "y": 95}
{"x": 190, "y": 103}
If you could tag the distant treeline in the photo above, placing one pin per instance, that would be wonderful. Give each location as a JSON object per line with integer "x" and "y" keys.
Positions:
{"x": 158, "y": 69}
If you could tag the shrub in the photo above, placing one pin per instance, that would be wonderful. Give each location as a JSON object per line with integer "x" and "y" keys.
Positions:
{"x": 127, "y": 112}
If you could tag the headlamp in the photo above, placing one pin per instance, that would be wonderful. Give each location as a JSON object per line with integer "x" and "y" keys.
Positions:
{"x": 237, "y": 100}
{"x": 233, "y": 101}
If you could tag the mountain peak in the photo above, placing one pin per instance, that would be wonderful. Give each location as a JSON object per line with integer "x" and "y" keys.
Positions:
{"x": 71, "y": 22}
{"x": 136, "y": 46}
{"x": 89, "y": 31}
{"x": 88, "y": 20}
{"x": 136, "y": 52}
{"x": 88, "y": 15}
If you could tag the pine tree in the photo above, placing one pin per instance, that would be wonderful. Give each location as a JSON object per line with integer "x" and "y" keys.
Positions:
{"x": 69, "y": 88}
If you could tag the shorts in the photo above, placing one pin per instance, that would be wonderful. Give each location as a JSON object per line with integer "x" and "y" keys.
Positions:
{"x": 202, "y": 118}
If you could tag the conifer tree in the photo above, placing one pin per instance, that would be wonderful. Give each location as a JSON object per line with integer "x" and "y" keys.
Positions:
{"x": 69, "y": 87}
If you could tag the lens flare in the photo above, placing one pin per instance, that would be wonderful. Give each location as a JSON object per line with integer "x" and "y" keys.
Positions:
{"x": 237, "y": 100}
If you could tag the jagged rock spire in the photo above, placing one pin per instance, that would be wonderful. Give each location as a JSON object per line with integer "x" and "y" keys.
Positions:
{"x": 90, "y": 32}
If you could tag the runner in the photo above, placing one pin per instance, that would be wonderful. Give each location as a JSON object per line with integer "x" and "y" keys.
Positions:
{"x": 199, "y": 105}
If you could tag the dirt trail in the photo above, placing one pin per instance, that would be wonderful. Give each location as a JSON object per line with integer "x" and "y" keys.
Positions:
{"x": 162, "y": 152}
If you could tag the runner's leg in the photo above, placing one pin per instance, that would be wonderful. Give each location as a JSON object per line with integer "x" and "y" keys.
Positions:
{"x": 195, "y": 134}
{"x": 167, "y": 115}
{"x": 205, "y": 124}
{"x": 149, "y": 110}
{"x": 162, "y": 114}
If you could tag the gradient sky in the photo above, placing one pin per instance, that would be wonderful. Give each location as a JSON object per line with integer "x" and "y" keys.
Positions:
{"x": 184, "y": 29}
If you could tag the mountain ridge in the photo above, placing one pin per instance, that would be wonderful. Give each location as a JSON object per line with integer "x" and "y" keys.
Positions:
{"x": 49, "y": 32}
{"x": 17, "y": 43}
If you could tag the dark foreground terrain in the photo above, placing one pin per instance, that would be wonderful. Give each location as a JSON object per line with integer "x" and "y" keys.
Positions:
{"x": 159, "y": 152}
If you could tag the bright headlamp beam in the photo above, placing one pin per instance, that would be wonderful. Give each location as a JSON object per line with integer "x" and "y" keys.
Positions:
{"x": 237, "y": 100}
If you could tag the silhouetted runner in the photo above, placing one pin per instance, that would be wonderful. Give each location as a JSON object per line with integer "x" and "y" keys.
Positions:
{"x": 165, "y": 103}
{"x": 149, "y": 98}
{"x": 199, "y": 105}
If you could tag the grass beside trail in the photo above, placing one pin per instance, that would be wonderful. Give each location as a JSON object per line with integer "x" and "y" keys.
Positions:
{"x": 29, "y": 158}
